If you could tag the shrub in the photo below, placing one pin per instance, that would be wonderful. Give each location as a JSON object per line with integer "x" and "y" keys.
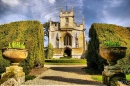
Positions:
{"x": 125, "y": 64}
{"x": 29, "y": 77}
{"x": 99, "y": 33}
{"x": 26, "y": 67}
{"x": 65, "y": 57}
{"x": 3, "y": 64}
{"x": 28, "y": 32}
{"x": 50, "y": 51}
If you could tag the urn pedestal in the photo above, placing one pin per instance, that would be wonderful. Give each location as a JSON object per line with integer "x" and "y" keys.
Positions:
{"x": 112, "y": 55}
{"x": 18, "y": 73}
{"x": 15, "y": 56}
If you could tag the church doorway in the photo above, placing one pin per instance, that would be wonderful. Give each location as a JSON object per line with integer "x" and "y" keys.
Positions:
{"x": 67, "y": 52}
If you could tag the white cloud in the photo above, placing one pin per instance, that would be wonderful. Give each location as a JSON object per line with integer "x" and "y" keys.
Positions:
{"x": 78, "y": 10}
{"x": 107, "y": 17}
{"x": 52, "y": 1}
{"x": 113, "y": 3}
{"x": 112, "y": 13}
{"x": 11, "y": 17}
{"x": 41, "y": 10}
{"x": 52, "y": 16}
{"x": 11, "y": 2}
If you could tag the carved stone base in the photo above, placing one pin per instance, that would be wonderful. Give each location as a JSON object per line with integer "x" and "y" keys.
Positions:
{"x": 10, "y": 82}
{"x": 15, "y": 72}
{"x": 111, "y": 72}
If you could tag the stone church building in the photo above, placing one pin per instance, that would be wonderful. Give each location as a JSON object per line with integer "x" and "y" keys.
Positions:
{"x": 67, "y": 37}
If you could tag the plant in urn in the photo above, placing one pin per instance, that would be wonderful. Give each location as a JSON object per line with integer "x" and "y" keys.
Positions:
{"x": 112, "y": 52}
{"x": 15, "y": 53}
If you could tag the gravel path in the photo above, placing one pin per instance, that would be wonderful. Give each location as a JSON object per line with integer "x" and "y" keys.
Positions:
{"x": 63, "y": 75}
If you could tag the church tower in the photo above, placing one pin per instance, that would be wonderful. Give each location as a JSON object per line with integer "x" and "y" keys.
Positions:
{"x": 67, "y": 37}
{"x": 66, "y": 19}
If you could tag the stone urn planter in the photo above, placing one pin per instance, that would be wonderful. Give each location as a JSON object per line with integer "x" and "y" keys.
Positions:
{"x": 112, "y": 54}
{"x": 112, "y": 71}
{"x": 15, "y": 55}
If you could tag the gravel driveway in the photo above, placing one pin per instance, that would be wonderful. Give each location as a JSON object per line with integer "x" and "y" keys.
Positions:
{"x": 63, "y": 75}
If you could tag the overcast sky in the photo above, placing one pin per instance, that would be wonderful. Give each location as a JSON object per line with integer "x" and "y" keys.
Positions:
{"x": 94, "y": 11}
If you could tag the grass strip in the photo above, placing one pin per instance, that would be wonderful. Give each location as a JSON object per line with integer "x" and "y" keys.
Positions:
{"x": 128, "y": 77}
{"x": 99, "y": 77}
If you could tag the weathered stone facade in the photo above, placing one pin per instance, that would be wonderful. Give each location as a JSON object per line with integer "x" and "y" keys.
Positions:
{"x": 67, "y": 37}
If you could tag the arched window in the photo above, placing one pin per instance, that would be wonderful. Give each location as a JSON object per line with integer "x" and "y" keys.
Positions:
{"x": 67, "y": 40}
{"x": 67, "y": 20}
{"x": 76, "y": 41}
{"x": 57, "y": 41}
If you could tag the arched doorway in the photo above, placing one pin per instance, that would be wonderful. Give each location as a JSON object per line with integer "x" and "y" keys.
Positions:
{"x": 68, "y": 52}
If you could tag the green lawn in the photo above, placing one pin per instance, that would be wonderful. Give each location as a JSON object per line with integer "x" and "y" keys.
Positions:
{"x": 128, "y": 77}
{"x": 99, "y": 77}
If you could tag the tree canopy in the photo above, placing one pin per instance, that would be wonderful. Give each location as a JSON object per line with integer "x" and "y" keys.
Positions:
{"x": 46, "y": 26}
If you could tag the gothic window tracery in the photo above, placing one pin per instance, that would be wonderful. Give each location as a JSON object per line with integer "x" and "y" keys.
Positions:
{"x": 76, "y": 41}
{"x": 67, "y": 40}
{"x": 57, "y": 41}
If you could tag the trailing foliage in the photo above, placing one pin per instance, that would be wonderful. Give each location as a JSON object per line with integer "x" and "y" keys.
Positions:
{"x": 112, "y": 35}
{"x": 29, "y": 32}
{"x": 50, "y": 51}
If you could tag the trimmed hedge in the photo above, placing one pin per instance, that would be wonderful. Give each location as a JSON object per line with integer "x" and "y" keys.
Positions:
{"x": 98, "y": 34}
{"x": 65, "y": 61}
{"x": 29, "y": 32}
